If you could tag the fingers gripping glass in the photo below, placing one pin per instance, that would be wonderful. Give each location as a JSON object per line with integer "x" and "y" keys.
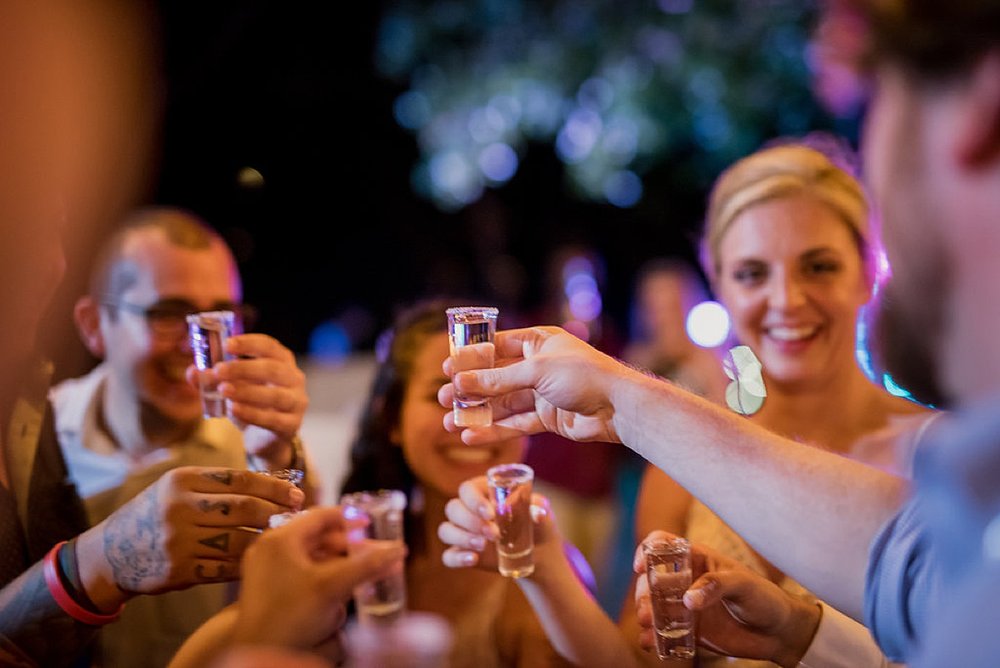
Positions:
{"x": 168, "y": 318}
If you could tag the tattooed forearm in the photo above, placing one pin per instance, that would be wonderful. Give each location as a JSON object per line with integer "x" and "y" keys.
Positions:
{"x": 225, "y": 477}
{"x": 33, "y": 629}
{"x": 220, "y": 542}
{"x": 206, "y": 506}
{"x": 133, "y": 544}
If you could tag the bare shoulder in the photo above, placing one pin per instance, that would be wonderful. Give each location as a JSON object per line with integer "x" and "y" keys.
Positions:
{"x": 891, "y": 447}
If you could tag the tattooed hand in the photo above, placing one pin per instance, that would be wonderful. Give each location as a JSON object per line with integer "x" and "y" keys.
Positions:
{"x": 189, "y": 527}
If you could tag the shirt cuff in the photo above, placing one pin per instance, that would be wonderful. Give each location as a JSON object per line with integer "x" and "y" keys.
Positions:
{"x": 841, "y": 642}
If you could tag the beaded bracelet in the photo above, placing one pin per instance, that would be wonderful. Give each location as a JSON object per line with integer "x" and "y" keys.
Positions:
{"x": 53, "y": 580}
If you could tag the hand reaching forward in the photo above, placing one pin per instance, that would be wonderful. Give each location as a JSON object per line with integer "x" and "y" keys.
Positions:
{"x": 297, "y": 578}
{"x": 742, "y": 613}
{"x": 546, "y": 379}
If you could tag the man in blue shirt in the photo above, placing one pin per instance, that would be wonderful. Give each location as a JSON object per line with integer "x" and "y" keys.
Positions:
{"x": 932, "y": 146}
{"x": 932, "y": 153}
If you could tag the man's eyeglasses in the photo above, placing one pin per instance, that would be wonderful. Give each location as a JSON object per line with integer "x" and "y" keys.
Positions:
{"x": 168, "y": 318}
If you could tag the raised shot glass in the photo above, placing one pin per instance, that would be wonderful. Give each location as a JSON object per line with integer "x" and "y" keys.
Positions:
{"x": 471, "y": 330}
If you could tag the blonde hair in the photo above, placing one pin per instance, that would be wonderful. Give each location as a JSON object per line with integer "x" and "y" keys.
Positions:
{"x": 781, "y": 171}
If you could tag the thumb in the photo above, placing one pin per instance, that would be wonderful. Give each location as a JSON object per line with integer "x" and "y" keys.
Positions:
{"x": 711, "y": 588}
{"x": 542, "y": 517}
{"x": 703, "y": 592}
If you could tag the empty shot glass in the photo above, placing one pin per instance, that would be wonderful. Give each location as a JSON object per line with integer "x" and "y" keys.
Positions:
{"x": 668, "y": 570}
{"x": 471, "y": 330}
{"x": 208, "y": 332}
{"x": 510, "y": 487}
{"x": 380, "y": 600}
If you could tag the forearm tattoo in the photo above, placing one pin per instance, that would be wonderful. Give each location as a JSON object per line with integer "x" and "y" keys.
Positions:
{"x": 34, "y": 631}
{"x": 133, "y": 544}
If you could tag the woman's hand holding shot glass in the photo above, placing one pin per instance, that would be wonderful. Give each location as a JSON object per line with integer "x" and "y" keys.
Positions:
{"x": 574, "y": 623}
{"x": 473, "y": 530}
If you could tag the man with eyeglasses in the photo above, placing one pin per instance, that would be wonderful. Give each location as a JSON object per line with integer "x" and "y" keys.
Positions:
{"x": 138, "y": 414}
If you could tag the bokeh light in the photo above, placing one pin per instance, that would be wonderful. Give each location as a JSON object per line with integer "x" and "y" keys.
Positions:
{"x": 615, "y": 91}
{"x": 708, "y": 324}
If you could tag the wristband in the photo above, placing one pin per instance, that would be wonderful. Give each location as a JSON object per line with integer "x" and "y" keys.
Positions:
{"x": 57, "y": 589}
{"x": 66, "y": 561}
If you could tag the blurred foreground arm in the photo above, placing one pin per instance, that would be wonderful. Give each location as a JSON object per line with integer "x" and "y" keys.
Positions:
{"x": 296, "y": 581}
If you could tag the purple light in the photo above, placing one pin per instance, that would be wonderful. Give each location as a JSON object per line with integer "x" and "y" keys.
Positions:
{"x": 579, "y": 282}
{"x": 577, "y": 265}
{"x": 498, "y": 162}
{"x": 585, "y": 305}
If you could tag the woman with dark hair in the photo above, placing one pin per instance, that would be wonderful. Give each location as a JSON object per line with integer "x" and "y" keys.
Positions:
{"x": 402, "y": 444}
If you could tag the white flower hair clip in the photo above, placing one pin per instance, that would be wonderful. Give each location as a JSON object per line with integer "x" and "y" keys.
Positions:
{"x": 745, "y": 394}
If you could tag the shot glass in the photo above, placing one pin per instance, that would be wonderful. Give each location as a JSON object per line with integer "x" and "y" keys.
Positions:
{"x": 208, "y": 332}
{"x": 668, "y": 571}
{"x": 510, "y": 487}
{"x": 293, "y": 476}
{"x": 471, "y": 330}
{"x": 380, "y": 600}
{"x": 415, "y": 640}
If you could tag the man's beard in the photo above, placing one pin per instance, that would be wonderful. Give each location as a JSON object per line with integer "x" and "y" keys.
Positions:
{"x": 903, "y": 345}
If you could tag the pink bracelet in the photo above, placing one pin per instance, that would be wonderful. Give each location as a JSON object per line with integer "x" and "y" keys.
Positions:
{"x": 63, "y": 598}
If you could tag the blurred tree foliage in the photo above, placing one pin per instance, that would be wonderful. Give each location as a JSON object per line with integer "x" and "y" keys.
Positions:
{"x": 620, "y": 89}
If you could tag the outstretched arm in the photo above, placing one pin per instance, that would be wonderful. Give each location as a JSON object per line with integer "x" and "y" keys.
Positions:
{"x": 811, "y": 513}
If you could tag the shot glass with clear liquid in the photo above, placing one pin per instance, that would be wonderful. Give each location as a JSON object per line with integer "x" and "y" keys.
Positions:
{"x": 471, "y": 330}
{"x": 379, "y": 600}
{"x": 668, "y": 571}
{"x": 207, "y": 332}
{"x": 510, "y": 488}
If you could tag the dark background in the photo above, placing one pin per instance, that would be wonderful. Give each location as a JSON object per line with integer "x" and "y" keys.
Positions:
{"x": 334, "y": 232}
{"x": 290, "y": 90}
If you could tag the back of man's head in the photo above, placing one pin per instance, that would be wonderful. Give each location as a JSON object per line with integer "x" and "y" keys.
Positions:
{"x": 930, "y": 39}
